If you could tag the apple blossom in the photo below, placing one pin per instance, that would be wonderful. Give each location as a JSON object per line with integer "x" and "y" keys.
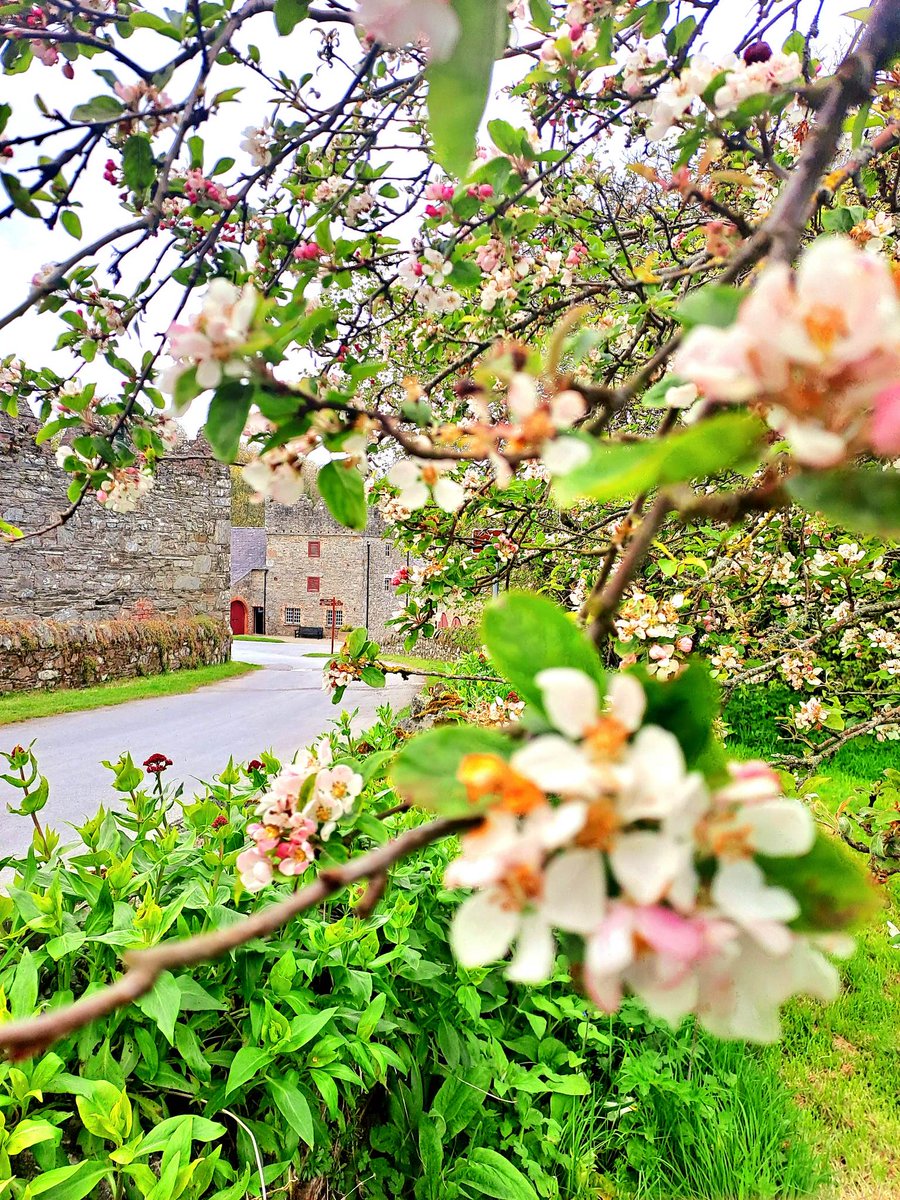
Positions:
{"x": 418, "y": 481}
{"x": 661, "y": 878}
{"x": 819, "y": 347}
{"x": 399, "y": 23}
{"x": 215, "y": 338}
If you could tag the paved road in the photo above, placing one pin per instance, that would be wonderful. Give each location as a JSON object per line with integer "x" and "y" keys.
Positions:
{"x": 279, "y": 708}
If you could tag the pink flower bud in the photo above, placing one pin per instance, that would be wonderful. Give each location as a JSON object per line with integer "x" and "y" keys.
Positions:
{"x": 685, "y": 644}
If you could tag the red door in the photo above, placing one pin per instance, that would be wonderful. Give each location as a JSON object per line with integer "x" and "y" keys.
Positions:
{"x": 238, "y": 616}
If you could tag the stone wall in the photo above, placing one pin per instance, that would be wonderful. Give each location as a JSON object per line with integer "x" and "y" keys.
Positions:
{"x": 170, "y": 556}
{"x": 54, "y": 654}
{"x": 356, "y": 568}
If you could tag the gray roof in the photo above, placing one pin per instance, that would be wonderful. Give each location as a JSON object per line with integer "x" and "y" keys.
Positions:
{"x": 248, "y": 551}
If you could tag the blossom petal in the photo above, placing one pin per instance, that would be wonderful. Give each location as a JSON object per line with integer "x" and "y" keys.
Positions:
{"x": 571, "y": 699}
{"x": 781, "y": 828}
{"x": 627, "y": 701}
{"x": 575, "y": 891}
{"x": 647, "y": 863}
{"x": 556, "y": 766}
{"x": 535, "y": 952}
{"x": 449, "y": 495}
{"x": 482, "y": 931}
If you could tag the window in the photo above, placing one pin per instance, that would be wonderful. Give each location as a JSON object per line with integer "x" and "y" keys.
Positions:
{"x": 338, "y": 617}
{"x": 387, "y": 583}
{"x": 293, "y": 616}
{"x": 312, "y": 583}
{"x": 387, "y": 552}
{"x": 314, "y": 549}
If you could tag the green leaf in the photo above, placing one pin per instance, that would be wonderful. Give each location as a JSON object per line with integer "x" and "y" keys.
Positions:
{"x": 289, "y": 13}
{"x": 202, "y": 1130}
{"x": 19, "y": 196}
{"x": 147, "y": 20}
{"x": 249, "y": 1062}
{"x": 424, "y": 772}
{"x": 687, "y": 706}
{"x": 227, "y": 416}
{"x": 342, "y": 489}
{"x": 654, "y": 18}
{"x": 487, "y": 1172}
{"x": 138, "y": 164}
{"x": 621, "y": 471}
{"x": 715, "y": 305}
{"x": 69, "y": 1183}
{"x": 101, "y": 108}
{"x": 162, "y": 1004}
{"x": 833, "y": 889}
{"x": 195, "y": 998}
{"x": 458, "y": 1101}
{"x": 23, "y": 992}
{"x": 526, "y": 634}
{"x": 458, "y": 89}
{"x": 30, "y": 1133}
{"x": 71, "y": 223}
{"x": 306, "y": 1026}
{"x": 862, "y": 499}
{"x": 373, "y": 677}
{"x": 294, "y": 1107}
{"x": 370, "y": 1018}
{"x": 431, "y": 1154}
{"x": 838, "y": 220}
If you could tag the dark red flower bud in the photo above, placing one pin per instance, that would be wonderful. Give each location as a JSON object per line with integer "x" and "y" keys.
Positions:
{"x": 759, "y": 52}
{"x": 255, "y": 765}
{"x": 156, "y": 764}
{"x": 68, "y": 71}
{"x": 220, "y": 820}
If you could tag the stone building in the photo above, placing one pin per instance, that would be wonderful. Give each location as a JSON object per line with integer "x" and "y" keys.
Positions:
{"x": 283, "y": 574}
{"x": 169, "y": 556}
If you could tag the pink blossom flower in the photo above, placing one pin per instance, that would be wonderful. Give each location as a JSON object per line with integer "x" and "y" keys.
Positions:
{"x": 886, "y": 422}
{"x": 398, "y": 23}
{"x": 819, "y": 347}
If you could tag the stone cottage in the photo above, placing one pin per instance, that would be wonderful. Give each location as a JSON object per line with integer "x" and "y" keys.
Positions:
{"x": 286, "y": 575}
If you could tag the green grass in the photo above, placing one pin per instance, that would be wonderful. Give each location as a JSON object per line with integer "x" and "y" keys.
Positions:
{"x": 23, "y": 706}
{"x": 439, "y": 666}
{"x": 840, "y": 1062}
{"x": 254, "y": 637}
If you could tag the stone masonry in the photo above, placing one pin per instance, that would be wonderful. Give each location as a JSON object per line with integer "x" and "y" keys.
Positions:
{"x": 170, "y": 556}
{"x": 309, "y": 557}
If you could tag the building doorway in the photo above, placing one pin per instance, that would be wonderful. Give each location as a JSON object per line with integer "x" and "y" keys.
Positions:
{"x": 259, "y": 619}
{"x": 238, "y": 617}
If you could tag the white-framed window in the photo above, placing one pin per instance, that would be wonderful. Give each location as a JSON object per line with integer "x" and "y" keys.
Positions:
{"x": 293, "y": 616}
{"x": 387, "y": 552}
{"x": 387, "y": 583}
{"x": 338, "y": 617}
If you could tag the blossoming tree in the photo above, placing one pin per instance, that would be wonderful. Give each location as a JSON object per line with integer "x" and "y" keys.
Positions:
{"x": 642, "y": 309}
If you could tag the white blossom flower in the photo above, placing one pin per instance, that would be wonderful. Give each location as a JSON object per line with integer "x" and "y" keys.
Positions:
{"x": 419, "y": 481}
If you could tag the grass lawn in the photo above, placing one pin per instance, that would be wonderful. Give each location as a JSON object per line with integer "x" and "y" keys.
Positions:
{"x": 439, "y": 666}
{"x": 22, "y": 706}
{"x": 840, "y": 1062}
{"x": 254, "y": 637}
